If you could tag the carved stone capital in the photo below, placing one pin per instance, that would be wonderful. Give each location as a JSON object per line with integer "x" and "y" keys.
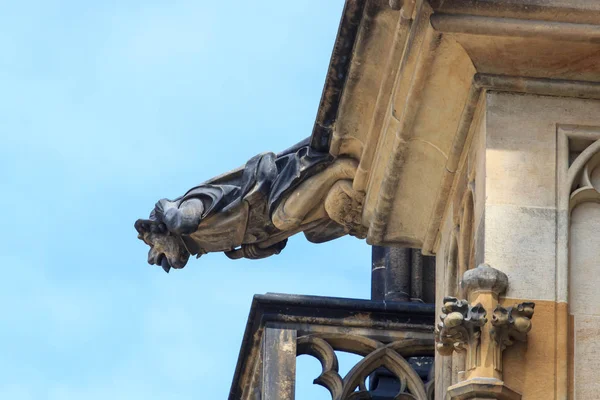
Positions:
{"x": 464, "y": 327}
{"x": 512, "y": 323}
{"x": 485, "y": 278}
{"x": 460, "y": 325}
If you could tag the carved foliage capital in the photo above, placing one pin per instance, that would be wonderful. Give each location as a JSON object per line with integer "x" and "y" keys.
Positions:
{"x": 460, "y": 325}
{"x": 463, "y": 325}
{"x": 512, "y": 323}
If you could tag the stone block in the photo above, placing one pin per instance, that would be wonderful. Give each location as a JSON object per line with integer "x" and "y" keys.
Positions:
{"x": 520, "y": 241}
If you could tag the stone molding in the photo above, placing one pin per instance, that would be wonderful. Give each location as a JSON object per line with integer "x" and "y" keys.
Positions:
{"x": 482, "y": 388}
{"x": 580, "y": 177}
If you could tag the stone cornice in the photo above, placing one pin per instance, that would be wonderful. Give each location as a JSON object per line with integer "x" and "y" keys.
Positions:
{"x": 415, "y": 84}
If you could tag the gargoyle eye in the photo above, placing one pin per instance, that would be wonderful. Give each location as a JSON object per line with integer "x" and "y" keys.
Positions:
{"x": 157, "y": 229}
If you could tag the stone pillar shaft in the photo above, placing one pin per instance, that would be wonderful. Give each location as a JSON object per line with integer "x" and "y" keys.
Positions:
{"x": 279, "y": 355}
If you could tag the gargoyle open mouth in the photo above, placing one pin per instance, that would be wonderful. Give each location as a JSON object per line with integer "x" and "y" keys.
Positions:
{"x": 166, "y": 249}
{"x": 159, "y": 259}
{"x": 163, "y": 261}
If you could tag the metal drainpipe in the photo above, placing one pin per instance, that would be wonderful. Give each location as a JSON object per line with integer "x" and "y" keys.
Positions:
{"x": 378, "y": 272}
{"x": 416, "y": 275}
{"x": 397, "y": 273}
{"x": 390, "y": 280}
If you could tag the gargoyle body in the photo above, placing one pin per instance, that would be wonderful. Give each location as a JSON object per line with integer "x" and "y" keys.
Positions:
{"x": 250, "y": 212}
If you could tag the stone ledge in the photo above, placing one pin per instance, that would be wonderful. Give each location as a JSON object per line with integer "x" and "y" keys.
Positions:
{"x": 481, "y": 388}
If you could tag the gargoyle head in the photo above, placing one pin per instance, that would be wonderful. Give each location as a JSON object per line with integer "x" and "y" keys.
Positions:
{"x": 166, "y": 249}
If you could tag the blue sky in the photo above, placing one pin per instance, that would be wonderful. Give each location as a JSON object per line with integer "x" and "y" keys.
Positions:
{"x": 107, "y": 107}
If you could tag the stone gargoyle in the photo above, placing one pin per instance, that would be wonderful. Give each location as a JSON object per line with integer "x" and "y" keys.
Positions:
{"x": 251, "y": 211}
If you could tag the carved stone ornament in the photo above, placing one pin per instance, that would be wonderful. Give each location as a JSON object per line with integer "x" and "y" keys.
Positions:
{"x": 376, "y": 355}
{"x": 484, "y": 278}
{"x": 464, "y": 327}
{"x": 250, "y": 212}
{"x": 460, "y": 328}
{"x": 510, "y": 324}
{"x": 583, "y": 177}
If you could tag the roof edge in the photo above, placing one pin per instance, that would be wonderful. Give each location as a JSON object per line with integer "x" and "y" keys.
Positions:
{"x": 337, "y": 73}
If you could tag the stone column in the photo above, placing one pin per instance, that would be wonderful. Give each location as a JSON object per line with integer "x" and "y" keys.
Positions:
{"x": 279, "y": 355}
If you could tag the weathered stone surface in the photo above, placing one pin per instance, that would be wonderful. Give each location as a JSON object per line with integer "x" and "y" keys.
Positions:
{"x": 521, "y": 241}
{"x": 583, "y": 251}
{"x": 465, "y": 328}
{"x": 539, "y": 350}
{"x": 279, "y": 361}
{"x": 584, "y": 279}
{"x": 468, "y": 129}
{"x": 482, "y": 388}
{"x": 586, "y": 357}
{"x": 386, "y": 333}
{"x": 522, "y": 160}
{"x": 485, "y": 278}
{"x": 252, "y": 211}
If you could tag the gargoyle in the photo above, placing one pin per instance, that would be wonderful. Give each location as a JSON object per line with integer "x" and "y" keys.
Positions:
{"x": 251, "y": 211}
